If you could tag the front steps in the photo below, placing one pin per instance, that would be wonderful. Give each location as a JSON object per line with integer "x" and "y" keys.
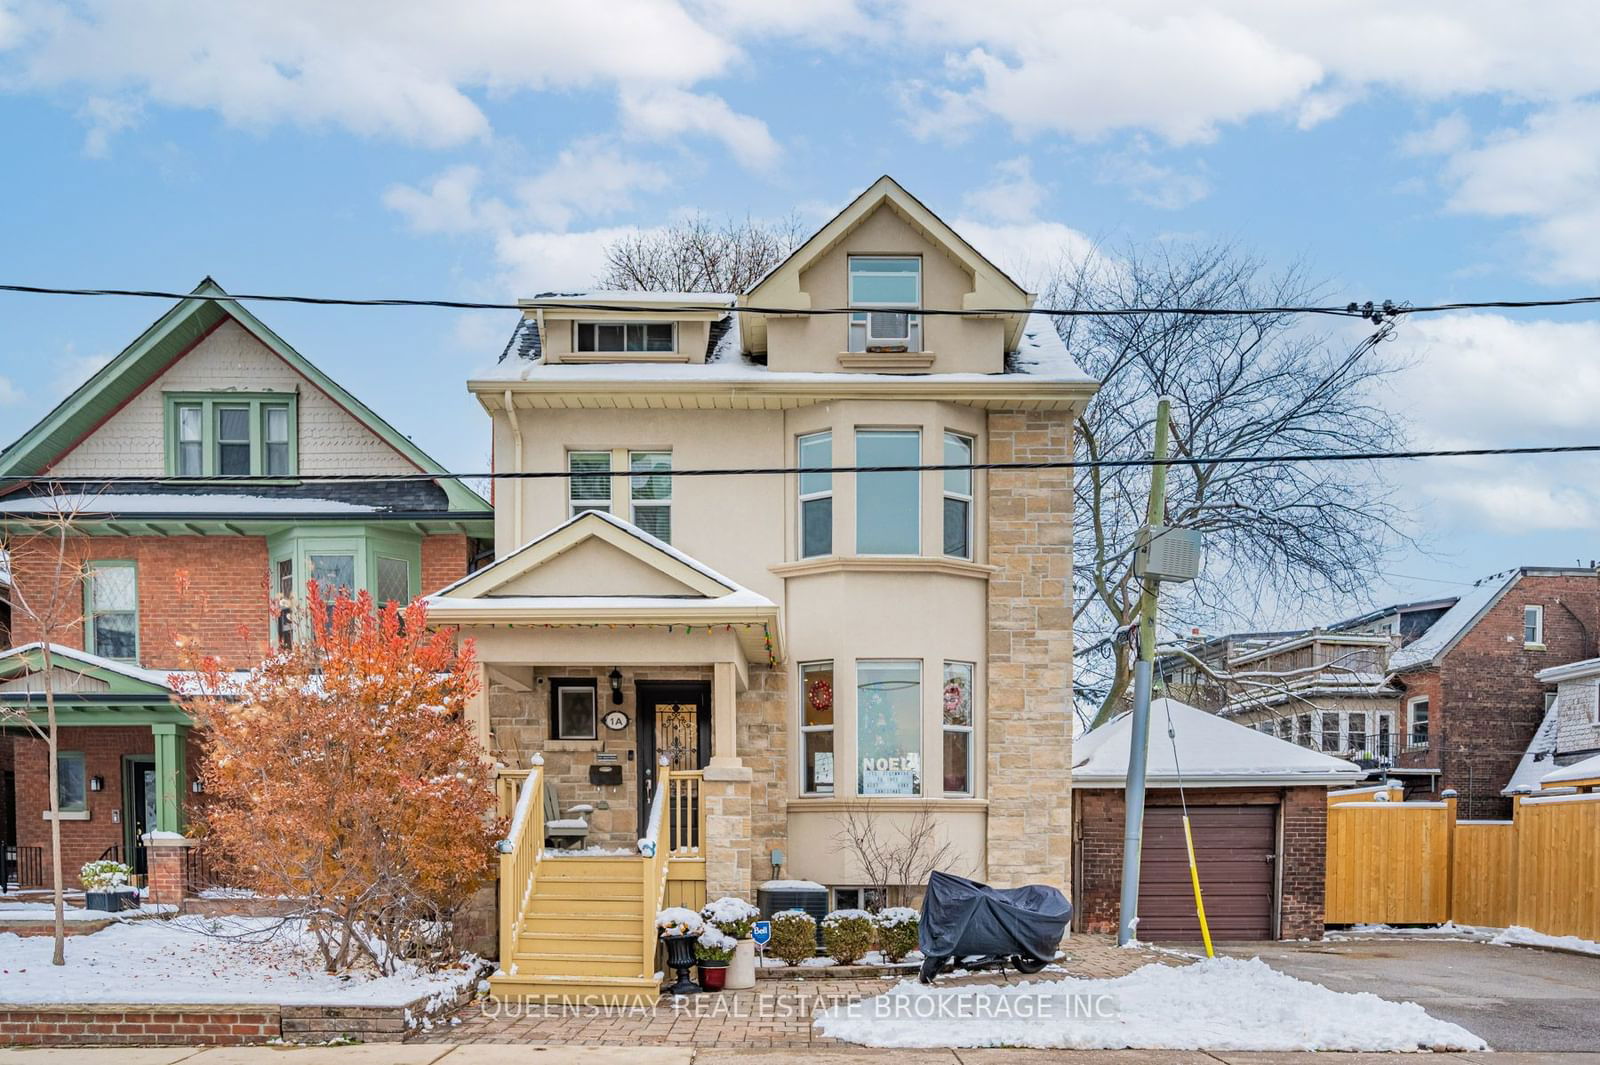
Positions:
{"x": 582, "y": 939}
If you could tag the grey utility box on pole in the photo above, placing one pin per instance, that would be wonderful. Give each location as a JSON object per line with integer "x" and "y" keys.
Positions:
{"x": 1168, "y": 553}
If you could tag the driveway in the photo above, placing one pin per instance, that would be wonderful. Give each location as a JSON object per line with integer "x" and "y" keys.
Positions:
{"x": 1516, "y": 998}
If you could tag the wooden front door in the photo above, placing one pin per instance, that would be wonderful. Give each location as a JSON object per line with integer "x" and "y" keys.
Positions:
{"x": 674, "y": 719}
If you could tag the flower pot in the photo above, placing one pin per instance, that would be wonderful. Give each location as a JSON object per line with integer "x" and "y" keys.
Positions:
{"x": 680, "y": 956}
{"x": 742, "y": 967}
{"x": 111, "y": 901}
{"x": 713, "y": 974}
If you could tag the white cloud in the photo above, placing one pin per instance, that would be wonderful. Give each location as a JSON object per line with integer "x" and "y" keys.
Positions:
{"x": 1150, "y": 183}
{"x": 1013, "y": 195}
{"x": 450, "y": 203}
{"x": 1451, "y": 133}
{"x": 106, "y": 117}
{"x": 663, "y": 114}
{"x": 591, "y": 177}
{"x": 538, "y": 261}
{"x": 10, "y": 394}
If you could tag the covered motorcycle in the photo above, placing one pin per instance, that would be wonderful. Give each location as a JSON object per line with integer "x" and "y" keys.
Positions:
{"x": 963, "y": 919}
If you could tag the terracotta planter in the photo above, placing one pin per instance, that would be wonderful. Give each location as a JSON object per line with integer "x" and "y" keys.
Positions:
{"x": 713, "y": 974}
{"x": 742, "y": 968}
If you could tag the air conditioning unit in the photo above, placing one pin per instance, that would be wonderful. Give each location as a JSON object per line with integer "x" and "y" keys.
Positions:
{"x": 789, "y": 895}
{"x": 1168, "y": 553}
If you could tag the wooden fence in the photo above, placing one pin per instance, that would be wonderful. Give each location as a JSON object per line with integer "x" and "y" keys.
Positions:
{"x": 1393, "y": 862}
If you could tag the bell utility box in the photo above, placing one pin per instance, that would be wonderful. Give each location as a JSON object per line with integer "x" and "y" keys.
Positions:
{"x": 1168, "y": 553}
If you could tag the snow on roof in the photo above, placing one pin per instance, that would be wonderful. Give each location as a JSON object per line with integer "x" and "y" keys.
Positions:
{"x": 1536, "y": 759}
{"x": 629, "y": 298}
{"x": 1442, "y": 634}
{"x": 157, "y": 503}
{"x": 1589, "y": 667}
{"x": 1588, "y": 769}
{"x": 1212, "y": 752}
{"x": 148, "y": 676}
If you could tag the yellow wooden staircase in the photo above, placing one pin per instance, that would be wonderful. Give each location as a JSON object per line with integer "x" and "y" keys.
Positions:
{"x": 581, "y": 929}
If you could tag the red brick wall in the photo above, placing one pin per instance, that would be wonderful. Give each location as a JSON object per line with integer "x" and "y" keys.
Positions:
{"x": 1098, "y": 821}
{"x": 444, "y": 561}
{"x": 81, "y": 841}
{"x": 150, "y": 1025}
{"x": 1486, "y": 700}
{"x": 225, "y": 605}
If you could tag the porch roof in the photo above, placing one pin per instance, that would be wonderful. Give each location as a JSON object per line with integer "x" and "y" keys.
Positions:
{"x": 89, "y": 690}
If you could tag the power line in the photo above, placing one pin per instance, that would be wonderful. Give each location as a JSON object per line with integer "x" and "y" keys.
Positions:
{"x": 1387, "y": 309}
{"x": 732, "y": 471}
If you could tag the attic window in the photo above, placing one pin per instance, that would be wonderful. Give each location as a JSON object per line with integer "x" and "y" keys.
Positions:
{"x": 624, "y": 337}
{"x": 891, "y": 287}
{"x": 232, "y": 434}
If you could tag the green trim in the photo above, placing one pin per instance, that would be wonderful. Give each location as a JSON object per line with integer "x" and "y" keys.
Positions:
{"x": 208, "y": 402}
{"x": 18, "y": 662}
{"x": 89, "y": 610}
{"x": 213, "y": 524}
{"x": 169, "y": 337}
{"x": 364, "y": 544}
{"x": 170, "y": 775}
{"x": 93, "y": 716}
{"x": 130, "y": 810}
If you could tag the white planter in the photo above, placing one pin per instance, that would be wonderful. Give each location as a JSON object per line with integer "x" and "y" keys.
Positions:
{"x": 742, "y": 966}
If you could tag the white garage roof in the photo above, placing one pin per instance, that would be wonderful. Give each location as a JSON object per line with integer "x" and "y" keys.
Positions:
{"x": 1586, "y": 770}
{"x": 1211, "y": 752}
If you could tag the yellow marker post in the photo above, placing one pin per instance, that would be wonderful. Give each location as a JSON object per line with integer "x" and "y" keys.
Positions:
{"x": 1194, "y": 878}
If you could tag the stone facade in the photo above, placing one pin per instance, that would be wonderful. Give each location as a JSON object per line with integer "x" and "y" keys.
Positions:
{"x": 1030, "y": 720}
{"x": 764, "y": 748}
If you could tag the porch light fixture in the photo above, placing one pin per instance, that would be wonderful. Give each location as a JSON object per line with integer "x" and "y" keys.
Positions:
{"x": 198, "y": 787}
{"x": 97, "y": 783}
{"x": 615, "y": 677}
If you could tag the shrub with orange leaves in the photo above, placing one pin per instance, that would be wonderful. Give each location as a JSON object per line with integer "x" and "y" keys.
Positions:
{"x": 342, "y": 772}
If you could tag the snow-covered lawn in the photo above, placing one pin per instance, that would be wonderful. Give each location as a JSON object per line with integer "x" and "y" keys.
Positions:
{"x": 1222, "y": 1004}
{"x": 204, "y": 960}
{"x": 44, "y": 912}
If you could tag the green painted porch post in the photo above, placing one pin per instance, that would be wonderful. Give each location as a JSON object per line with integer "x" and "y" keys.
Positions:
{"x": 170, "y": 743}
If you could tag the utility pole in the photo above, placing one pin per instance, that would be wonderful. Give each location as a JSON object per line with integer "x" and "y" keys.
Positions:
{"x": 1143, "y": 668}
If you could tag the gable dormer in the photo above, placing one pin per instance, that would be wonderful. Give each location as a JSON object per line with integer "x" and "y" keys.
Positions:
{"x": 878, "y": 261}
{"x": 577, "y": 328}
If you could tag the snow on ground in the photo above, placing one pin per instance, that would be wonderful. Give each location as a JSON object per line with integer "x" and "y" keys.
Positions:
{"x": 1222, "y": 1004}
{"x": 205, "y": 960}
{"x": 1448, "y": 930}
{"x": 45, "y": 912}
{"x": 1517, "y": 936}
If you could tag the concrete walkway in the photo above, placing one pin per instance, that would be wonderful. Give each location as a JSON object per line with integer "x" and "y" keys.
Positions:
{"x": 439, "y": 1054}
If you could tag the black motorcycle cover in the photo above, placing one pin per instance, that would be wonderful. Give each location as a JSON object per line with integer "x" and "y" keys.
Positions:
{"x": 961, "y": 918}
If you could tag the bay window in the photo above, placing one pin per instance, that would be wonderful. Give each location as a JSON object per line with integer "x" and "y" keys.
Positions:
{"x": 816, "y": 728}
{"x": 888, "y": 504}
{"x": 816, "y": 495}
{"x": 889, "y": 727}
{"x": 956, "y": 710}
{"x": 957, "y": 496}
{"x": 111, "y": 610}
{"x": 386, "y": 563}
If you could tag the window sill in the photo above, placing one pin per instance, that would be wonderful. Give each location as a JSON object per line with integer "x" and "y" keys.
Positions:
{"x": 952, "y": 567}
{"x": 621, "y": 356}
{"x": 67, "y": 815}
{"x": 887, "y": 361}
{"x": 573, "y": 746}
{"x": 1533, "y": 647}
{"x": 883, "y": 803}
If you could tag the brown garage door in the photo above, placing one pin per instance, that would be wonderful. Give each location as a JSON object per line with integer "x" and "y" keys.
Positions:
{"x": 1234, "y": 848}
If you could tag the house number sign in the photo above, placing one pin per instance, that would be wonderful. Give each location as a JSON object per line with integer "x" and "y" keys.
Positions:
{"x": 616, "y": 721}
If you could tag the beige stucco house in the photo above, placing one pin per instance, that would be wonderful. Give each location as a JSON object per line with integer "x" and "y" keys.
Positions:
{"x": 797, "y": 647}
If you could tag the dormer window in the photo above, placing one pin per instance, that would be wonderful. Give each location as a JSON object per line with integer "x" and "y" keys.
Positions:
{"x": 624, "y": 337}
{"x": 891, "y": 287}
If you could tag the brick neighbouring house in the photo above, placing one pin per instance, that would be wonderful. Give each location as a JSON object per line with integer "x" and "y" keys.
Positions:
{"x": 1258, "y": 810}
{"x": 207, "y": 389}
{"x": 1471, "y": 697}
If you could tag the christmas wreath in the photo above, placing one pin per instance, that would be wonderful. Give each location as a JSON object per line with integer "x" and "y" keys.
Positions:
{"x": 820, "y": 694}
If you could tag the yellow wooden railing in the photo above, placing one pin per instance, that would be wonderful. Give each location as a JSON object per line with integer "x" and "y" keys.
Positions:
{"x": 686, "y": 814}
{"x": 654, "y": 868}
{"x": 519, "y": 859}
{"x": 506, "y": 783}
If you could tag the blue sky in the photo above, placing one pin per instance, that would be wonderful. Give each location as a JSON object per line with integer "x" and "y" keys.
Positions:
{"x": 487, "y": 149}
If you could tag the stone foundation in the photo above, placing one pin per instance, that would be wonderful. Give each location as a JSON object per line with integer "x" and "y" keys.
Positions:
{"x": 726, "y": 795}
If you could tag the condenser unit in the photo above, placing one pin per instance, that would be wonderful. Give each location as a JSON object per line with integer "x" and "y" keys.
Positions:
{"x": 1168, "y": 553}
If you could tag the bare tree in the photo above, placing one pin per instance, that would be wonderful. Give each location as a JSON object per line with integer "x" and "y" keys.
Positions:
{"x": 698, "y": 254}
{"x": 47, "y": 595}
{"x": 892, "y": 859}
{"x": 1279, "y": 535}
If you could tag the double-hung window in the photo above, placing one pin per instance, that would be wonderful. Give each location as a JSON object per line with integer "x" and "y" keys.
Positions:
{"x": 283, "y": 578}
{"x": 189, "y": 459}
{"x": 1356, "y": 733}
{"x": 890, "y": 288}
{"x": 624, "y": 337}
{"x": 652, "y": 492}
{"x": 889, "y": 727}
{"x": 1385, "y": 748}
{"x": 816, "y": 495}
{"x": 589, "y": 487}
{"x": 957, "y": 725}
{"x": 1417, "y": 722}
{"x": 111, "y": 610}
{"x": 1330, "y": 731}
{"x": 957, "y": 496}
{"x": 816, "y": 728}
{"x": 232, "y": 434}
{"x": 889, "y": 504}
{"x": 233, "y": 440}
{"x": 1533, "y": 626}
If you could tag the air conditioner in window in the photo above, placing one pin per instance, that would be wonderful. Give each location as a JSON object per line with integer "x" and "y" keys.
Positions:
{"x": 885, "y": 331}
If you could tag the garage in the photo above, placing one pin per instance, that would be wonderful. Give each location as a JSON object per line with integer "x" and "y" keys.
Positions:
{"x": 1258, "y": 809}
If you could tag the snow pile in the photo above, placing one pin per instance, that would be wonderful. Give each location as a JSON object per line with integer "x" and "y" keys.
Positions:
{"x": 1222, "y": 1004}
{"x": 678, "y": 921}
{"x": 792, "y": 885}
{"x": 207, "y": 960}
{"x": 895, "y": 916}
{"x": 1517, "y": 936}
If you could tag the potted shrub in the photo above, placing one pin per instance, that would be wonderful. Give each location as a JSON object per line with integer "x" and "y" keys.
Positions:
{"x": 105, "y": 887}
{"x": 897, "y": 932}
{"x": 679, "y": 928}
{"x": 712, "y": 950}
{"x": 734, "y": 918}
{"x": 848, "y": 934}
{"x": 794, "y": 936}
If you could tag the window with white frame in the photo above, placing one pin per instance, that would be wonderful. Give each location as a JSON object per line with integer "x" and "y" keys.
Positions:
{"x": 1330, "y": 731}
{"x": 1417, "y": 712}
{"x": 589, "y": 487}
{"x": 573, "y": 709}
{"x": 815, "y": 451}
{"x": 651, "y": 492}
{"x": 889, "y": 727}
{"x": 890, "y": 287}
{"x": 957, "y": 496}
{"x": 1385, "y": 747}
{"x": 889, "y": 503}
{"x": 816, "y": 728}
{"x": 956, "y": 712}
{"x": 1356, "y": 732}
{"x": 1533, "y": 625}
{"x": 624, "y": 337}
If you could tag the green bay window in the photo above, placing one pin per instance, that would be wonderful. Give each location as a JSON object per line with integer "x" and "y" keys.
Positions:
{"x": 383, "y": 562}
{"x": 232, "y": 434}
{"x": 111, "y": 610}
{"x": 889, "y": 727}
{"x": 888, "y": 504}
